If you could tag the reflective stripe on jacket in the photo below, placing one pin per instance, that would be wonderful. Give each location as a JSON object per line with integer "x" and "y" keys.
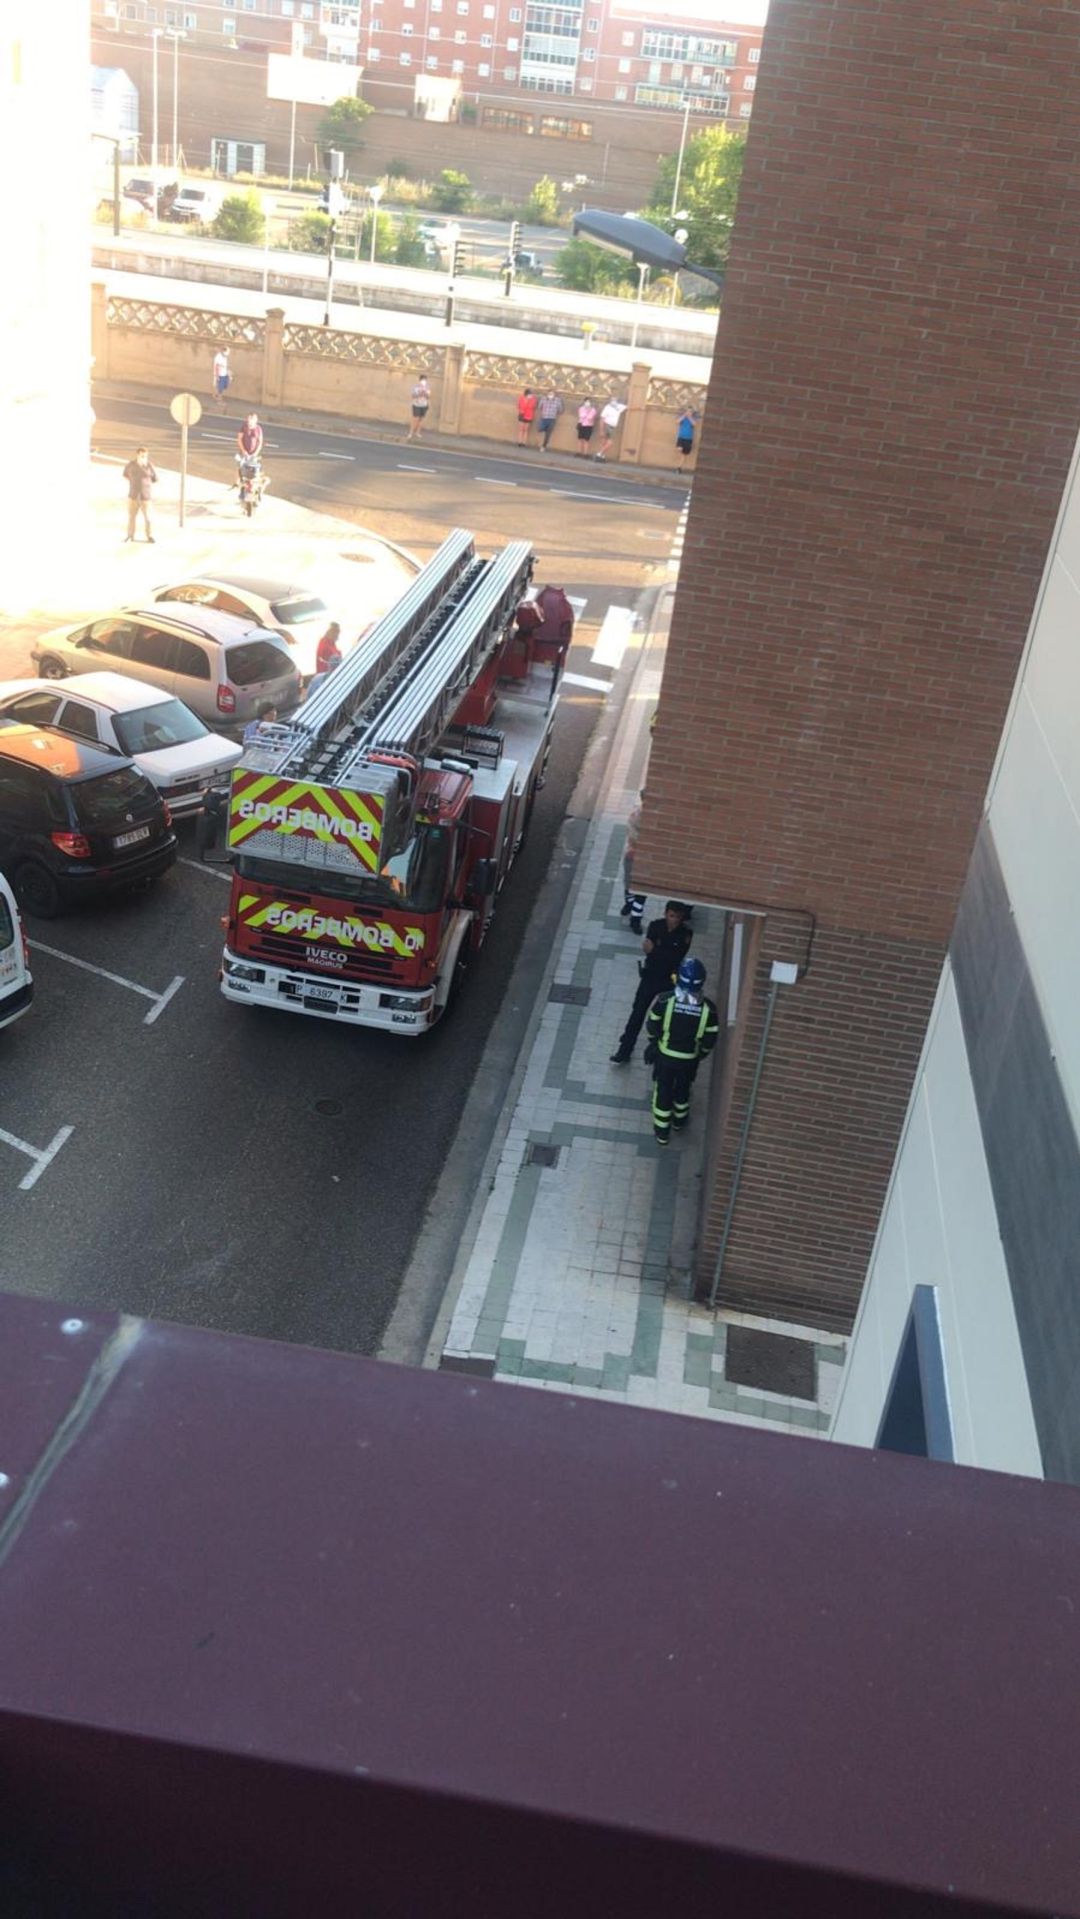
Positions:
{"x": 683, "y": 1030}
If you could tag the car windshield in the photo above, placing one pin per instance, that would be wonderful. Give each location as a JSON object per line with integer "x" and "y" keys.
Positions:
{"x": 414, "y": 880}
{"x": 7, "y": 927}
{"x": 256, "y": 660}
{"x": 150, "y": 728}
{"x": 291, "y": 612}
{"x": 110, "y": 801}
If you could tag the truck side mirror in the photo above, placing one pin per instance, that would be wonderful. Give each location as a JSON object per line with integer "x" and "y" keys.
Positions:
{"x": 483, "y": 879}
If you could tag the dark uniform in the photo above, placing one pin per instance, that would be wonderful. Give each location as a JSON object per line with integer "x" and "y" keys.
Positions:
{"x": 682, "y": 1030}
{"x": 670, "y": 945}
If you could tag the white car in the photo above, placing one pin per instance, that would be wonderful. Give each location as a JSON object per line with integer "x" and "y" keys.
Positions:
{"x": 299, "y": 616}
{"x": 166, "y": 740}
{"x": 16, "y": 982}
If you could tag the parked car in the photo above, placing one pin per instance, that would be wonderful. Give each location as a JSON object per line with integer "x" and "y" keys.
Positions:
{"x": 166, "y": 740}
{"x": 525, "y": 261}
{"x": 221, "y": 666}
{"x": 196, "y": 204}
{"x": 300, "y": 617}
{"x": 140, "y": 188}
{"x": 75, "y": 822}
{"x": 16, "y": 979}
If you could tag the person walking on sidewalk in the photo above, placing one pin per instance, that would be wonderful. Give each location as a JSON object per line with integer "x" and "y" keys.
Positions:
{"x": 527, "y": 406}
{"x": 610, "y": 415}
{"x": 222, "y": 375}
{"x": 684, "y": 436}
{"x": 142, "y": 479}
{"x": 547, "y": 415}
{"x": 665, "y": 946}
{"x": 421, "y": 400}
{"x": 682, "y": 1031}
{"x": 633, "y": 905}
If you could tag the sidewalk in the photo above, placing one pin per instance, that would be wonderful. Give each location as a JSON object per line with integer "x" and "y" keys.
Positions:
{"x": 94, "y": 571}
{"x": 578, "y": 1278}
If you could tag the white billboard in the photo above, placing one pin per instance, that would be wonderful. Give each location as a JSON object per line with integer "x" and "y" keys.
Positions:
{"x": 311, "y": 83}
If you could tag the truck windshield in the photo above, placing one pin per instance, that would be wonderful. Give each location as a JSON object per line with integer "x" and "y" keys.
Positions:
{"x": 414, "y": 880}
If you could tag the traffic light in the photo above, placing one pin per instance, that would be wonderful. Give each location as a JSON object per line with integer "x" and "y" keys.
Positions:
{"x": 457, "y": 259}
{"x": 515, "y": 241}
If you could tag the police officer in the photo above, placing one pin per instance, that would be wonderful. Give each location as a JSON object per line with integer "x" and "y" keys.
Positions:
{"x": 665, "y": 946}
{"x": 681, "y": 1031}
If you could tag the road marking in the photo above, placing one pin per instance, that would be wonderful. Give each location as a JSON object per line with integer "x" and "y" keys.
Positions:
{"x": 204, "y": 435}
{"x": 607, "y": 499}
{"x": 41, "y": 1156}
{"x": 481, "y": 481}
{"x": 582, "y": 679}
{"x": 201, "y": 866}
{"x": 161, "y": 1000}
{"x": 613, "y": 637}
{"x": 323, "y": 455}
{"x": 403, "y": 468}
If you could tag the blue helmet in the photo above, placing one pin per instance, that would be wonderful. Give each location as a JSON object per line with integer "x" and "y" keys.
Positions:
{"x": 690, "y": 976}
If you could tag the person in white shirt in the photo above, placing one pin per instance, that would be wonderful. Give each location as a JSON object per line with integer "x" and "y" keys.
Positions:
{"x": 610, "y": 415}
{"x": 221, "y": 375}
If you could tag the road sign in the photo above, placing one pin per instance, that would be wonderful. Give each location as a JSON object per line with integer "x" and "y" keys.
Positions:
{"x": 186, "y": 411}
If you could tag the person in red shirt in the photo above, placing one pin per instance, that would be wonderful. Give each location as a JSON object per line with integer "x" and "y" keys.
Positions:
{"x": 328, "y": 652}
{"x": 527, "y": 406}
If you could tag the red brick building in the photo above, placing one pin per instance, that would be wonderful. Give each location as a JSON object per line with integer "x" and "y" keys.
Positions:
{"x": 899, "y": 368}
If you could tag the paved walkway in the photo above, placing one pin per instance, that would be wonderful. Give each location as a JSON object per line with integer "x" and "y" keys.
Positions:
{"x": 578, "y": 1278}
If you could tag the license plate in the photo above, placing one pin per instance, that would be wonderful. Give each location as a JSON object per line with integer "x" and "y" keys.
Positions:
{"x": 321, "y": 992}
{"x": 129, "y": 839}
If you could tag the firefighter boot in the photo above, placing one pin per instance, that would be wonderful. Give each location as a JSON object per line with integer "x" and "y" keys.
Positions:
{"x": 661, "y": 1114}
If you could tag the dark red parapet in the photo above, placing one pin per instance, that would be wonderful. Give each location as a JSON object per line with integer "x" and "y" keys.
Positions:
{"x": 284, "y": 1632}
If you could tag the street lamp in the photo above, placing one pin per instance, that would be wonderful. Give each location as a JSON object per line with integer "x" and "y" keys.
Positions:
{"x": 155, "y": 36}
{"x": 643, "y": 274}
{"x": 679, "y": 161}
{"x": 171, "y": 33}
{"x": 375, "y": 194}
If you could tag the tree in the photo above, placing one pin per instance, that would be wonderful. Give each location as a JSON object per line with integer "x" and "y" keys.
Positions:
{"x": 452, "y": 191}
{"x": 385, "y": 238}
{"x": 409, "y": 248}
{"x": 542, "y": 205}
{"x": 341, "y": 125}
{"x": 239, "y": 218}
{"x": 587, "y": 268}
{"x": 708, "y": 193}
{"x": 309, "y": 233}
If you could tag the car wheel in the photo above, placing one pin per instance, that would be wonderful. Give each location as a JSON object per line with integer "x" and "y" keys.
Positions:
{"x": 52, "y": 669}
{"x": 37, "y": 891}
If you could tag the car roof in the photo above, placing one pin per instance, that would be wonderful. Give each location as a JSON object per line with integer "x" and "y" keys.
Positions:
{"x": 111, "y": 690}
{"x": 247, "y": 583}
{"x": 208, "y": 622}
{"x": 56, "y": 752}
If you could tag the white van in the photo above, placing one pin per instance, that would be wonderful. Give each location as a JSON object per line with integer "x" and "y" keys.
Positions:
{"x": 197, "y": 205}
{"x": 16, "y": 984}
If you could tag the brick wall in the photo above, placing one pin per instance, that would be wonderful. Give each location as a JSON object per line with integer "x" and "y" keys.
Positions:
{"x": 898, "y": 370}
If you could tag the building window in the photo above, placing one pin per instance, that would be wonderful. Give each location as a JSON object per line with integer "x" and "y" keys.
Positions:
{"x": 589, "y": 53}
{"x": 288, "y": 8}
{"x": 307, "y": 12}
{"x": 485, "y": 39}
{"x": 432, "y": 61}
{"x": 406, "y": 28}
{"x": 463, "y": 8}
{"x": 404, "y": 59}
{"x": 461, "y": 36}
{"x": 624, "y": 67}
{"x": 484, "y": 70}
{"x": 512, "y": 44}
{"x": 750, "y": 83}
{"x": 509, "y": 73}
{"x": 457, "y": 66}
{"x": 248, "y": 5}
{"x": 592, "y": 26}
{"x": 374, "y": 56}
{"x": 745, "y": 109}
{"x": 628, "y": 39}
{"x": 489, "y": 13}
{"x": 228, "y": 27}
{"x": 436, "y": 6}
{"x": 191, "y": 22}
{"x": 545, "y": 83}
{"x": 754, "y": 55}
{"x": 620, "y": 93}
{"x": 677, "y": 72}
{"x": 586, "y": 85}
{"x": 434, "y": 33}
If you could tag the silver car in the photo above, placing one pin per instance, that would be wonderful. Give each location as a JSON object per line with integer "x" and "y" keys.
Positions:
{"x": 223, "y": 667}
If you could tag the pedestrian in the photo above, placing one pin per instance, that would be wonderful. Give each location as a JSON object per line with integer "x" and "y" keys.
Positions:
{"x": 328, "y": 651}
{"x": 421, "y": 400}
{"x": 665, "y": 946}
{"x": 250, "y": 438}
{"x": 547, "y": 414}
{"x": 222, "y": 375}
{"x": 556, "y": 628}
{"x": 610, "y": 415}
{"x": 684, "y": 436}
{"x": 681, "y": 1032}
{"x": 527, "y": 406}
{"x": 633, "y": 905}
{"x": 141, "y": 478}
{"x": 265, "y": 715}
{"x": 586, "y": 420}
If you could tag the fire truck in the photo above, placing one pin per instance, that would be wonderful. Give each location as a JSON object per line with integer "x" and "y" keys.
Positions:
{"x": 370, "y": 835}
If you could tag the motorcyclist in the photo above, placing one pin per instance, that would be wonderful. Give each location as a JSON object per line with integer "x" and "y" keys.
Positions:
{"x": 250, "y": 438}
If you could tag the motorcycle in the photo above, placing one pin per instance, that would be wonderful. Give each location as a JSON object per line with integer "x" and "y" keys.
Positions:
{"x": 251, "y": 481}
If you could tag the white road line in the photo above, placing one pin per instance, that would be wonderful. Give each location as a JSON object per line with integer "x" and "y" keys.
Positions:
{"x": 160, "y": 1000}
{"x": 606, "y": 499}
{"x": 613, "y": 637}
{"x": 403, "y": 468}
{"x": 201, "y": 866}
{"x": 481, "y": 481}
{"x": 204, "y": 435}
{"x": 323, "y": 455}
{"x": 111, "y": 459}
{"x": 582, "y": 679}
{"x": 42, "y": 1157}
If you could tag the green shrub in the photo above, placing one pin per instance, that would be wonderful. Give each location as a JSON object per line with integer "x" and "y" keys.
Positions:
{"x": 239, "y": 218}
{"x": 309, "y": 233}
{"x": 452, "y": 191}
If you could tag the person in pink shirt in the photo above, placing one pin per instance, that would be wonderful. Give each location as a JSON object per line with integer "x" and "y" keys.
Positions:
{"x": 586, "y": 420}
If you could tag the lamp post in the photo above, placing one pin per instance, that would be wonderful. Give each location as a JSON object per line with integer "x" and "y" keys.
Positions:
{"x": 643, "y": 274}
{"x": 155, "y": 36}
{"x": 375, "y": 194}
{"x": 171, "y": 33}
{"x": 682, "y": 153}
{"x": 268, "y": 208}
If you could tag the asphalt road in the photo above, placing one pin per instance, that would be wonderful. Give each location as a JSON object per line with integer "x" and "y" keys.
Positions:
{"x": 253, "y": 1171}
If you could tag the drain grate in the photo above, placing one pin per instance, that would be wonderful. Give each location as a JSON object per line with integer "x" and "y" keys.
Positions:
{"x": 773, "y": 1362}
{"x": 539, "y": 1154}
{"x": 570, "y": 995}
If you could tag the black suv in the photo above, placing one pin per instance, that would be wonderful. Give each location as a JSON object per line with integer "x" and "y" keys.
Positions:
{"x": 75, "y": 822}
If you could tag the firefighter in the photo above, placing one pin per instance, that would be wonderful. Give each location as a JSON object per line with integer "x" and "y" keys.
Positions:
{"x": 665, "y": 946}
{"x": 681, "y": 1029}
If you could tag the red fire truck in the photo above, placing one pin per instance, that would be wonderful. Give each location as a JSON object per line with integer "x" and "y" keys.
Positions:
{"x": 371, "y": 834}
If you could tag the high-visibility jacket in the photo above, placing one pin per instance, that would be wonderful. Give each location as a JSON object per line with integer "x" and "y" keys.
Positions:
{"x": 682, "y": 1026}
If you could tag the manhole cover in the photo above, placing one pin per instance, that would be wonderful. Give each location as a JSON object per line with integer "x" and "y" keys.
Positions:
{"x": 537, "y": 1154}
{"x": 570, "y": 995}
{"x": 329, "y": 1108}
{"x": 773, "y": 1362}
